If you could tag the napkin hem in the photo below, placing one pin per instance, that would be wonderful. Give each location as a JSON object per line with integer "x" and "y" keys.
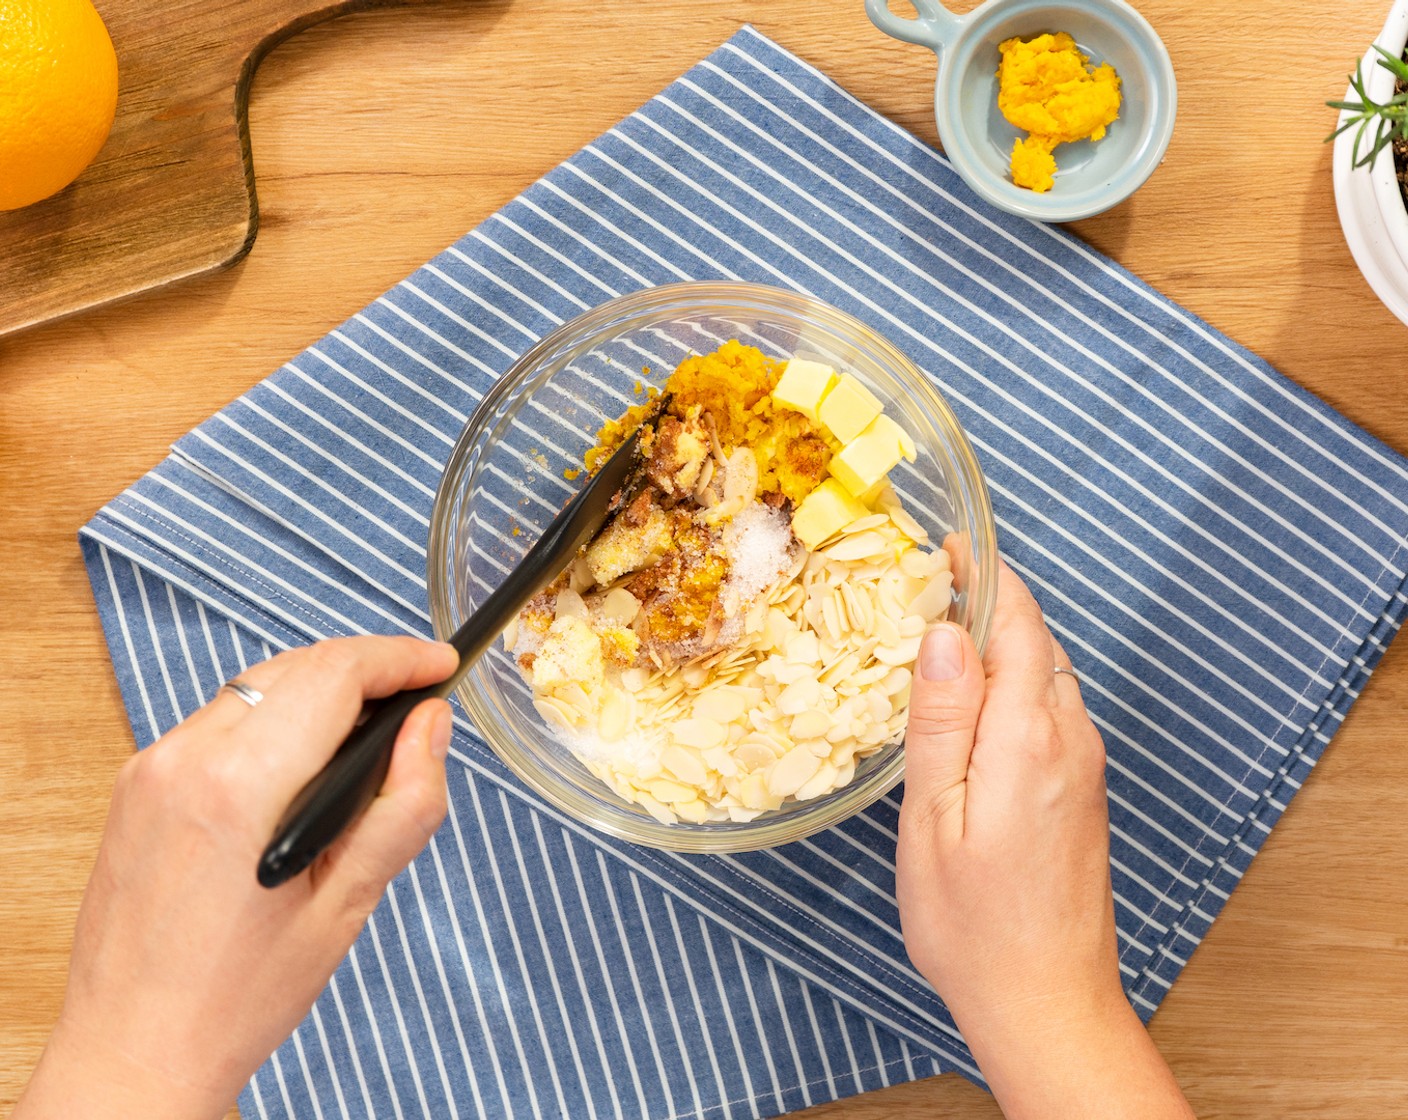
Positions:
{"x": 1305, "y": 752}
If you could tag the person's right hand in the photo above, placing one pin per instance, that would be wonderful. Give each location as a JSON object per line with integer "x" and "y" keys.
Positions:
{"x": 1004, "y": 874}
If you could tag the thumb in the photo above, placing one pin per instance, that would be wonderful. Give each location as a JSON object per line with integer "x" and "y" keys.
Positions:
{"x": 944, "y": 703}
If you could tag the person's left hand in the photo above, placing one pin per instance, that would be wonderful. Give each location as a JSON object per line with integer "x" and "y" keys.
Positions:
{"x": 186, "y": 973}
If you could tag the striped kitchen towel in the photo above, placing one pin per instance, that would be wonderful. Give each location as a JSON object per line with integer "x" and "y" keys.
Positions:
{"x": 1221, "y": 554}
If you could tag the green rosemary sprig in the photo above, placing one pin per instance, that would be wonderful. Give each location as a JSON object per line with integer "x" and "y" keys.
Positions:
{"x": 1389, "y": 120}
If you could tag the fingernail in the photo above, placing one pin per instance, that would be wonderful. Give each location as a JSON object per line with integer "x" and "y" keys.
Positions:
{"x": 941, "y": 655}
{"x": 440, "y": 733}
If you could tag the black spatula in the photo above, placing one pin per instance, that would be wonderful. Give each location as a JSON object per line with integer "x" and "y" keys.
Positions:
{"x": 337, "y": 794}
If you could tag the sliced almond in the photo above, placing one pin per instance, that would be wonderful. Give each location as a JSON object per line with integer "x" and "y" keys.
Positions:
{"x": 685, "y": 764}
{"x": 933, "y": 601}
{"x": 803, "y": 648}
{"x": 698, "y": 733}
{"x": 857, "y": 547}
{"x": 861, "y": 524}
{"x": 902, "y": 653}
{"x": 616, "y": 715}
{"x": 720, "y": 705}
{"x": 695, "y": 812}
{"x": 581, "y": 578}
{"x": 620, "y": 606}
{"x": 907, "y": 525}
{"x": 570, "y": 605}
{"x": 896, "y": 680}
{"x": 669, "y": 793}
{"x": 662, "y": 813}
{"x": 790, "y": 772}
{"x": 753, "y": 791}
{"x": 809, "y": 724}
{"x": 823, "y": 781}
{"x": 754, "y": 754}
{"x": 798, "y": 696}
{"x": 790, "y": 672}
{"x": 741, "y": 477}
{"x": 556, "y": 714}
{"x": 635, "y": 679}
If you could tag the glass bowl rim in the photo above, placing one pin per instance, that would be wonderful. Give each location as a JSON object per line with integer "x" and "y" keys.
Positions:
{"x": 580, "y": 334}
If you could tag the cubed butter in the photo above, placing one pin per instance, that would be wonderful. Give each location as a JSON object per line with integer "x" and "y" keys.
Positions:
{"x": 848, "y": 409}
{"x": 868, "y": 458}
{"x": 872, "y": 497}
{"x": 824, "y": 511}
{"x": 803, "y": 386}
{"x": 887, "y": 429}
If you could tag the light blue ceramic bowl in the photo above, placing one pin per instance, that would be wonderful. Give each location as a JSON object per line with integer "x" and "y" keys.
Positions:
{"x": 1091, "y": 176}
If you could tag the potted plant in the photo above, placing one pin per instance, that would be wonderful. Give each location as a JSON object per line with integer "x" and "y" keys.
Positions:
{"x": 1371, "y": 163}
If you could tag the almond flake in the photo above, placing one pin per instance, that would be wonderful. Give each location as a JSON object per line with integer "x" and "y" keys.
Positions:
{"x": 803, "y": 649}
{"x": 570, "y": 605}
{"x": 933, "y": 601}
{"x": 695, "y": 812}
{"x": 857, "y": 547}
{"x": 720, "y": 705}
{"x": 912, "y": 626}
{"x": 823, "y": 781}
{"x": 685, "y": 765}
{"x": 809, "y": 724}
{"x": 660, "y": 812}
{"x": 799, "y": 696}
{"x": 861, "y": 524}
{"x": 698, "y": 733}
{"x": 907, "y": 525}
{"x": 790, "y": 772}
{"x": 902, "y": 653}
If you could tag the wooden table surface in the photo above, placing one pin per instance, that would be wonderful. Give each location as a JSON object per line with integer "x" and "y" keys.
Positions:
{"x": 381, "y": 137}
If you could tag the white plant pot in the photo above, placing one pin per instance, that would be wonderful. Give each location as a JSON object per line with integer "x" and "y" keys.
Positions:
{"x": 1371, "y": 209}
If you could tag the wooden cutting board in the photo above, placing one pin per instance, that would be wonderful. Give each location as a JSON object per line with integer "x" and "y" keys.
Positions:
{"x": 171, "y": 194}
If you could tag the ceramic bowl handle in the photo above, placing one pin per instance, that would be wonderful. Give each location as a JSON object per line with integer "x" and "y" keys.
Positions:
{"x": 934, "y": 28}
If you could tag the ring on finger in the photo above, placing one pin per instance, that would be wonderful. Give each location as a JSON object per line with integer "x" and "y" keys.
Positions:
{"x": 1069, "y": 672}
{"x": 251, "y": 696}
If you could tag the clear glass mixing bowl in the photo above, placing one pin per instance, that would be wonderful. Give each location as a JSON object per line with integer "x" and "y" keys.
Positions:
{"x": 508, "y": 476}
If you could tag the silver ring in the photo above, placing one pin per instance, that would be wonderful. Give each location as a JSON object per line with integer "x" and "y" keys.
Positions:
{"x": 250, "y": 696}
{"x": 1069, "y": 672}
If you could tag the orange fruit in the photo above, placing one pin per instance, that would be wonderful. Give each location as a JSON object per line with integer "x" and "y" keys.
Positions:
{"x": 58, "y": 94}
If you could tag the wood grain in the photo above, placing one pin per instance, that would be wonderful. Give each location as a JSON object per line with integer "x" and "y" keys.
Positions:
{"x": 171, "y": 194}
{"x": 383, "y": 136}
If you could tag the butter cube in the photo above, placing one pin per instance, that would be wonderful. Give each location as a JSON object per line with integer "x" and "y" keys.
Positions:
{"x": 872, "y": 497}
{"x": 848, "y": 409}
{"x": 868, "y": 458}
{"x": 826, "y": 510}
{"x": 907, "y": 448}
{"x": 803, "y": 386}
{"x": 889, "y": 430}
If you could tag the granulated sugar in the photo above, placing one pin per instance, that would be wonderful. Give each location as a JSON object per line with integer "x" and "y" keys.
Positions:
{"x": 759, "y": 544}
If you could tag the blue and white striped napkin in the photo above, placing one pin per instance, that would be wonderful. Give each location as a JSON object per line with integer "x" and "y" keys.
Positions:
{"x": 1221, "y": 554}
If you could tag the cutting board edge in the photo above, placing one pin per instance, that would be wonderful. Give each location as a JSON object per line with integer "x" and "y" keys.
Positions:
{"x": 224, "y": 251}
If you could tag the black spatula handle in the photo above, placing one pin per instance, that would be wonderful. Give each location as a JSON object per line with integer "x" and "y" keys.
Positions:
{"x": 341, "y": 790}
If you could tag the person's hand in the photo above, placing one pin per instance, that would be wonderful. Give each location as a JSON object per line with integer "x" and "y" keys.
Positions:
{"x": 186, "y": 973}
{"x": 1004, "y": 874}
